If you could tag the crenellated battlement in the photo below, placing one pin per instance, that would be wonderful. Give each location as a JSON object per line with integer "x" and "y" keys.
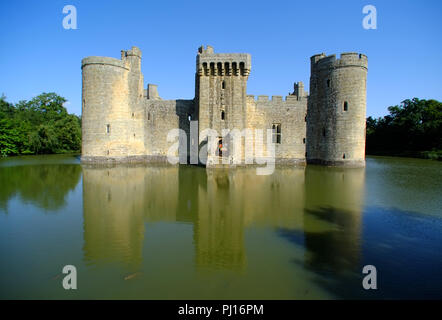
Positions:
{"x": 134, "y": 52}
{"x": 222, "y": 64}
{"x": 347, "y": 59}
{"x": 265, "y": 100}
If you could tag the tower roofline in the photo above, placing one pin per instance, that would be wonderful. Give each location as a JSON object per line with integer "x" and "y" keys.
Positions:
{"x": 346, "y": 59}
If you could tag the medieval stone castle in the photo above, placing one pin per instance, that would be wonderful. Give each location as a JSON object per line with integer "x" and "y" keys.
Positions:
{"x": 121, "y": 121}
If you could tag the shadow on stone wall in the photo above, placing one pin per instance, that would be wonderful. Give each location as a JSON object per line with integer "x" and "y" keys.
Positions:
{"x": 186, "y": 112}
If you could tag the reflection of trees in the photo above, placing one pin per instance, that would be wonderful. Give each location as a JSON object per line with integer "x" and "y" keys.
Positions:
{"x": 45, "y": 185}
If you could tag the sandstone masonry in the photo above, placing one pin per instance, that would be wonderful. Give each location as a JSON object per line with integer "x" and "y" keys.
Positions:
{"x": 123, "y": 122}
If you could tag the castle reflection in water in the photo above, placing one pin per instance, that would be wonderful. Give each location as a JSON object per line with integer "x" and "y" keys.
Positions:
{"x": 316, "y": 207}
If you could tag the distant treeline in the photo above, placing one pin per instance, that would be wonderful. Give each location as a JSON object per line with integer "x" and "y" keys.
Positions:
{"x": 41, "y": 125}
{"x": 412, "y": 129}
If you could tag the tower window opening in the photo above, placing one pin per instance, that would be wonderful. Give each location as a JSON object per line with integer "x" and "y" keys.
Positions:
{"x": 234, "y": 68}
{"x": 323, "y": 132}
{"x": 148, "y": 116}
{"x": 241, "y": 68}
{"x": 189, "y": 117}
{"x": 345, "y": 106}
{"x": 328, "y": 83}
{"x": 108, "y": 128}
{"x": 223, "y": 115}
{"x": 223, "y": 85}
{"x": 276, "y": 133}
{"x": 343, "y": 156}
{"x": 303, "y": 140}
{"x": 133, "y": 114}
{"x": 219, "y": 68}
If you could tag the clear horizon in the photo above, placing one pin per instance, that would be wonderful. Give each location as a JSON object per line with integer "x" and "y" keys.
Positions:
{"x": 39, "y": 55}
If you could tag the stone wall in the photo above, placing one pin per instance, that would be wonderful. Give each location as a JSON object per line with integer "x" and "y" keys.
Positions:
{"x": 112, "y": 119}
{"x": 290, "y": 113}
{"x": 161, "y": 117}
{"x": 336, "y": 110}
{"x": 123, "y": 122}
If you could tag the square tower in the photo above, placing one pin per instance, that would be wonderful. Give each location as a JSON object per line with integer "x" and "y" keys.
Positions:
{"x": 221, "y": 93}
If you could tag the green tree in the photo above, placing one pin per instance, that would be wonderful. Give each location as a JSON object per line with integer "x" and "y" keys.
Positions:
{"x": 9, "y": 138}
{"x": 68, "y": 133}
{"x": 413, "y": 128}
{"x": 40, "y": 125}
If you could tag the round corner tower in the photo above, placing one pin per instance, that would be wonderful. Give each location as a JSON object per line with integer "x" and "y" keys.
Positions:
{"x": 336, "y": 110}
{"x": 110, "y": 91}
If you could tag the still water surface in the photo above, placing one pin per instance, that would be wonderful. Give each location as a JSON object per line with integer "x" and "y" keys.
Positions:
{"x": 163, "y": 232}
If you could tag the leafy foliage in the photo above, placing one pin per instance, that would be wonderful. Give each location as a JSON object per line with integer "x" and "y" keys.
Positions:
{"x": 413, "y": 128}
{"x": 41, "y": 125}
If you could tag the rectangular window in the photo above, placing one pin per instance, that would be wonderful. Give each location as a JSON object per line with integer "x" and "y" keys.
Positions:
{"x": 108, "y": 128}
{"x": 276, "y": 134}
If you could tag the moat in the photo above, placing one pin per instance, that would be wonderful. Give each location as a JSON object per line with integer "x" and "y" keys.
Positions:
{"x": 184, "y": 232}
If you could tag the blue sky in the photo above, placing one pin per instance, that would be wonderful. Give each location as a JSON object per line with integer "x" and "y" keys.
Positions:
{"x": 404, "y": 52}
